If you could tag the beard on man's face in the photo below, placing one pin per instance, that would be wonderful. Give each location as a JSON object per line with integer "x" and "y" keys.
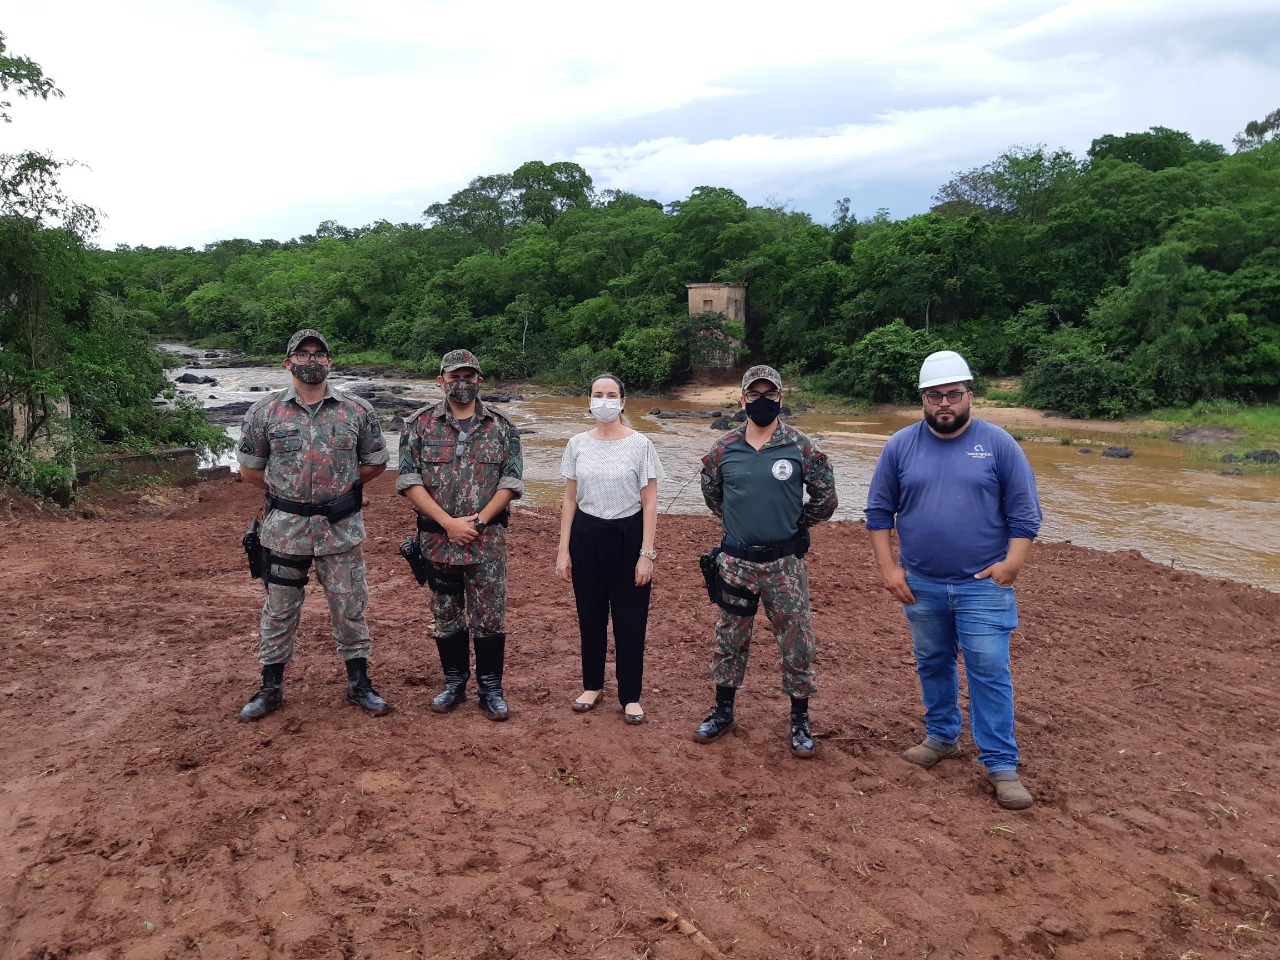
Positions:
{"x": 953, "y": 422}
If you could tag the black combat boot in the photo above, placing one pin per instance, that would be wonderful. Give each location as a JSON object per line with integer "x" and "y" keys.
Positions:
{"x": 721, "y": 718}
{"x": 802, "y": 744}
{"x": 270, "y": 696}
{"x": 455, "y": 658}
{"x": 360, "y": 690}
{"x": 490, "y": 654}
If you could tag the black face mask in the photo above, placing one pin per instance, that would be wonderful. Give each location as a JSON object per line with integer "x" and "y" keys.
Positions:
{"x": 764, "y": 411}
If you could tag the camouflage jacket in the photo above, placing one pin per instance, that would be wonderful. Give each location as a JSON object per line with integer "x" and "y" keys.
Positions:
{"x": 461, "y": 474}
{"x": 311, "y": 458}
{"x": 759, "y": 494}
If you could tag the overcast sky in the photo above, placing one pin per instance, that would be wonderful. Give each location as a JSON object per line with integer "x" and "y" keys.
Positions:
{"x": 201, "y": 120}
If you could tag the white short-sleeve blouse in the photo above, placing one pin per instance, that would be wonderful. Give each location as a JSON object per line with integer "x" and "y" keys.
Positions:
{"x": 610, "y": 473}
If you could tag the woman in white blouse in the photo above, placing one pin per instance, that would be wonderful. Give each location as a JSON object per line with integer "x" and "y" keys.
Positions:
{"x": 607, "y": 526}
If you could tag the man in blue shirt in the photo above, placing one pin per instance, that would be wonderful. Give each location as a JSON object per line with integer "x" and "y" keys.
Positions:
{"x": 963, "y": 497}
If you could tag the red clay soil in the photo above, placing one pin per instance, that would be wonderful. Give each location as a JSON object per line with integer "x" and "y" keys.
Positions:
{"x": 140, "y": 819}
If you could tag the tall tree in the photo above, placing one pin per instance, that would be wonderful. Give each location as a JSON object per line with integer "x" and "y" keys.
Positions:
{"x": 29, "y": 184}
{"x": 485, "y": 211}
{"x": 1022, "y": 182}
{"x": 547, "y": 190}
{"x": 1156, "y": 149}
{"x": 24, "y": 77}
{"x": 1258, "y": 132}
{"x": 61, "y": 336}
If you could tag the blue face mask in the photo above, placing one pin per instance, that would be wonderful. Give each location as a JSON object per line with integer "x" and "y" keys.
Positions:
{"x": 764, "y": 411}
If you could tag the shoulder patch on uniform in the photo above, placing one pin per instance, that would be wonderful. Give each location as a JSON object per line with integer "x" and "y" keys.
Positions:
{"x": 419, "y": 412}
{"x": 358, "y": 401}
{"x": 799, "y": 438}
{"x": 259, "y": 405}
{"x": 727, "y": 438}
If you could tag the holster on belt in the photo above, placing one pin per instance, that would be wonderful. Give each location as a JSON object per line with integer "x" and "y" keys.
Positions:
{"x": 261, "y": 559}
{"x": 802, "y": 540}
{"x": 426, "y": 572}
{"x": 412, "y": 552}
{"x": 710, "y": 573}
{"x": 252, "y": 544}
{"x": 735, "y": 600}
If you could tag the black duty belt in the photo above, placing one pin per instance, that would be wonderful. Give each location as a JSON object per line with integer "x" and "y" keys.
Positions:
{"x": 757, "y": 554}
{"x": 335, "y": 510}
{"x": 427, "y": 525}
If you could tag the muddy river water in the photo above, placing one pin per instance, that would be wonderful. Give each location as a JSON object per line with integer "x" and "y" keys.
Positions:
{"x": 1168, "y": 501}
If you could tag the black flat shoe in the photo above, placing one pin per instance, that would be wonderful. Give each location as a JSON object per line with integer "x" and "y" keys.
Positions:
{"x": 635, "y": 718}
{"x": 581, "y": 706}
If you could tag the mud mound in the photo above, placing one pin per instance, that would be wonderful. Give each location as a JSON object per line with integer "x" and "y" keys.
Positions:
{"x": 141, "y": 820}
{"x": 1206, "y": 433}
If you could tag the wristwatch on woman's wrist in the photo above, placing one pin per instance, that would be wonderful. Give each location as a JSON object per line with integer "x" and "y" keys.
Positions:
{"x": 649, "y": 554}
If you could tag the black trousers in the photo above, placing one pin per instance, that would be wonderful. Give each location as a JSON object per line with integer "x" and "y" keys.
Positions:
{"x": 604, "y": 555}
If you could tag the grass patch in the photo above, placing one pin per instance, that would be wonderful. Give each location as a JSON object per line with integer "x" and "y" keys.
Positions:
{"x": 816, "y": 400}
{"x": 1259, "y": 425}
{"x": 1003, "y": 398}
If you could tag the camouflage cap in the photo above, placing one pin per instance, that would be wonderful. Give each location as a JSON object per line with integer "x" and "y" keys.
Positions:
{"x": 761, "y": 372}
{"x": 307, "y": 334}
{"x": 457, "y": 359}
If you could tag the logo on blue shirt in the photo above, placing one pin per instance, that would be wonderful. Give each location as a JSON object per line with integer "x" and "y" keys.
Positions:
{"x": 782, "y": 469}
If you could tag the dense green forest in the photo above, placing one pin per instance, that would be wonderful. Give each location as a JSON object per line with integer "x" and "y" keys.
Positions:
{"x": 1144, "y": 274}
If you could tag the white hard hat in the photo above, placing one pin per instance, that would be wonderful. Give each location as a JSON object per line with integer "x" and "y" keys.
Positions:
{"x": 945, "y": 366}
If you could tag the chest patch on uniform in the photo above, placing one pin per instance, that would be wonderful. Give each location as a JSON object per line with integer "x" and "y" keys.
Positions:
{"x": 782, "y": 469}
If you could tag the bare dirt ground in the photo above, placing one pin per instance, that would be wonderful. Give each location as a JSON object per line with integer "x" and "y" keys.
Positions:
{"x": 139, "y": 819}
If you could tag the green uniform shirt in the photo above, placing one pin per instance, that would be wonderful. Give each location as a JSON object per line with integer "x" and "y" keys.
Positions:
{"x": 311, "y": 458}
{"x": 461, "y": 475}
{"x": 759, "y": 494}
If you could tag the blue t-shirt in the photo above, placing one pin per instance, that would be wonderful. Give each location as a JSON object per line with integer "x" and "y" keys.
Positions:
{"x": 956, "y": 502}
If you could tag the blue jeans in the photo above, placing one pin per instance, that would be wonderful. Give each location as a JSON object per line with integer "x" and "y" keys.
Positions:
{"x": 974, "y": 618}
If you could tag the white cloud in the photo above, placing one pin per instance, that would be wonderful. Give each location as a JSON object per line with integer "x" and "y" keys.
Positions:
{"x": 205, "y": 120}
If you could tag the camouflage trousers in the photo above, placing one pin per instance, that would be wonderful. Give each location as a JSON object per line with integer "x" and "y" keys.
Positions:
{"x": 343, "y": 579}
{"x": 783, "y": 587}
{"x": 483, "y": 601}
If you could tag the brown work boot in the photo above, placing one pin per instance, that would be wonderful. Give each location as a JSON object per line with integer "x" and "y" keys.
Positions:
{"x": 928, "y": 752}
{"x": 1010, "y": 793}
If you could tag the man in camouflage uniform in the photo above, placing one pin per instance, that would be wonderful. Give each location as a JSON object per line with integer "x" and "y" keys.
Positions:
{"x": 754, "y": 479}
{"x": 460, "y": 467}
{"x": 312, "y": 448}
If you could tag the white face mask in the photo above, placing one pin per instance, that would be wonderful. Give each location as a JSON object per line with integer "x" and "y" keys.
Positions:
{"x": 606, "y": 409}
